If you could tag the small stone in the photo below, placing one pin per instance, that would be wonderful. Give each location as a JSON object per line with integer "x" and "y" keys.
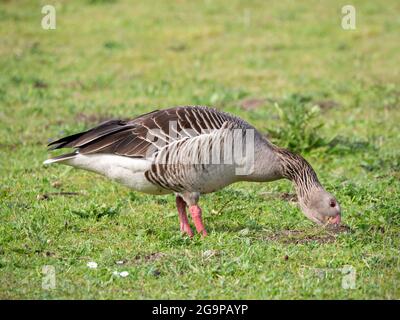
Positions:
{"x": 56, "y": 184}
{"x": 41, "y": 197}
{"x": 124, "y": 274}
{"x": 244, "y": 232}
{"x": 209, "y": 253}
{"x": 92, "y": 265}
{"x": 156, "y": 273}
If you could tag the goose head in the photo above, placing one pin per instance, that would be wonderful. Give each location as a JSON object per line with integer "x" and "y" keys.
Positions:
{"x": 316, "y": 203}
{"x": 321, "y": 207}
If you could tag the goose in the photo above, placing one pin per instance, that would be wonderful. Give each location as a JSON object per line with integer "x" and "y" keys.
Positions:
{"x": 190, "y": 151}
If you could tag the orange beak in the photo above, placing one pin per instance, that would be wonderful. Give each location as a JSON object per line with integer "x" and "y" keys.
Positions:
{"x": 335, "y": 220}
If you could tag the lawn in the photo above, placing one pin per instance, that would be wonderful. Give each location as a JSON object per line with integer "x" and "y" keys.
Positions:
{"x": 270, "y": 62}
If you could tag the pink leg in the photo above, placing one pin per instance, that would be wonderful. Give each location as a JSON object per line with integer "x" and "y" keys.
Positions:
{"x": 196, "y": 215}
{"x": 183, "y": 219}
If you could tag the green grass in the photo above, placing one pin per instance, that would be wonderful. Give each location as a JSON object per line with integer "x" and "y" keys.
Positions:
{"x": 123, "y": 58}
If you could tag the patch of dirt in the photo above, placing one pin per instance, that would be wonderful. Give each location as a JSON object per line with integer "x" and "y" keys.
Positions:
{"x": 326, "y": 104}
{"x": 10, "y": 147}
{"x": 338, "y": 229}
{"x": 152, "y": 257}
{"x": 90, "y": 119}
{"x": 286, "y": 196}
{"x": 177, "y": 47}
{"x": 39, "y": 84}
{"x": 46, "y": 196}
{"x": 291, "y": 197}
{"x": 74, "y": 85}
{"x": 252, "y": 103}
{"x": 328, "y": 235}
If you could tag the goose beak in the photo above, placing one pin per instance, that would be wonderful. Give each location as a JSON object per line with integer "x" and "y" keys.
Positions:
{"x": 335, "y": 220}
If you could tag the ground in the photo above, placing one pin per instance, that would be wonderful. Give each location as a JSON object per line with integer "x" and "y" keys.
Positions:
{"x": 264, "y": 61}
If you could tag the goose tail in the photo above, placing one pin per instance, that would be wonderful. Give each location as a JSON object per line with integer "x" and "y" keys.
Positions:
{"x": 61, "y": 158}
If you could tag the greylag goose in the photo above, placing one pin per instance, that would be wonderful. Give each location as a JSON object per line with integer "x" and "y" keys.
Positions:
{"x": 191, "y": 151}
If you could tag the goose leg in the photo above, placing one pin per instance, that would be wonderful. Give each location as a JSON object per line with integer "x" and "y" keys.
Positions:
{"x": 183, "y": 219}
{"x": 195, "y": 211}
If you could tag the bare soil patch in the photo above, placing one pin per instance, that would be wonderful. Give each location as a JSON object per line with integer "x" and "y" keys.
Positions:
{"x": 327, "y": 235}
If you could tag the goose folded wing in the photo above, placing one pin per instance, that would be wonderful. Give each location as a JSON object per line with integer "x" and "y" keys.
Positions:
{"x": 143, "y": 136}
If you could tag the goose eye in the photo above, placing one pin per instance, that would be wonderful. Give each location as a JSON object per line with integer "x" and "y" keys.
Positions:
{"x": 332, "y": 203}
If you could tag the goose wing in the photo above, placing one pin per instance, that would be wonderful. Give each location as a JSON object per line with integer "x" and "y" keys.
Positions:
{"x": 147, "y": 134}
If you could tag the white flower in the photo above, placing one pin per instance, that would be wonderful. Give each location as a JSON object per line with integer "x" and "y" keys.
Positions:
{"x": 92, "y": 265}
{"x": 124, "y": 274}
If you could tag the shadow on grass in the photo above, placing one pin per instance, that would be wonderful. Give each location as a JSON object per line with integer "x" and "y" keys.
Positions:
{"x": 343, "y": 145}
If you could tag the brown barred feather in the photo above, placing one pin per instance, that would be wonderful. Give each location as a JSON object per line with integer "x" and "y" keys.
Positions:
{"x": 131, "y": 138}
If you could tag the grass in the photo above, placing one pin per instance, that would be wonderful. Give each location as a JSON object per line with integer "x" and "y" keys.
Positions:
{"x": 123, "y": 58}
